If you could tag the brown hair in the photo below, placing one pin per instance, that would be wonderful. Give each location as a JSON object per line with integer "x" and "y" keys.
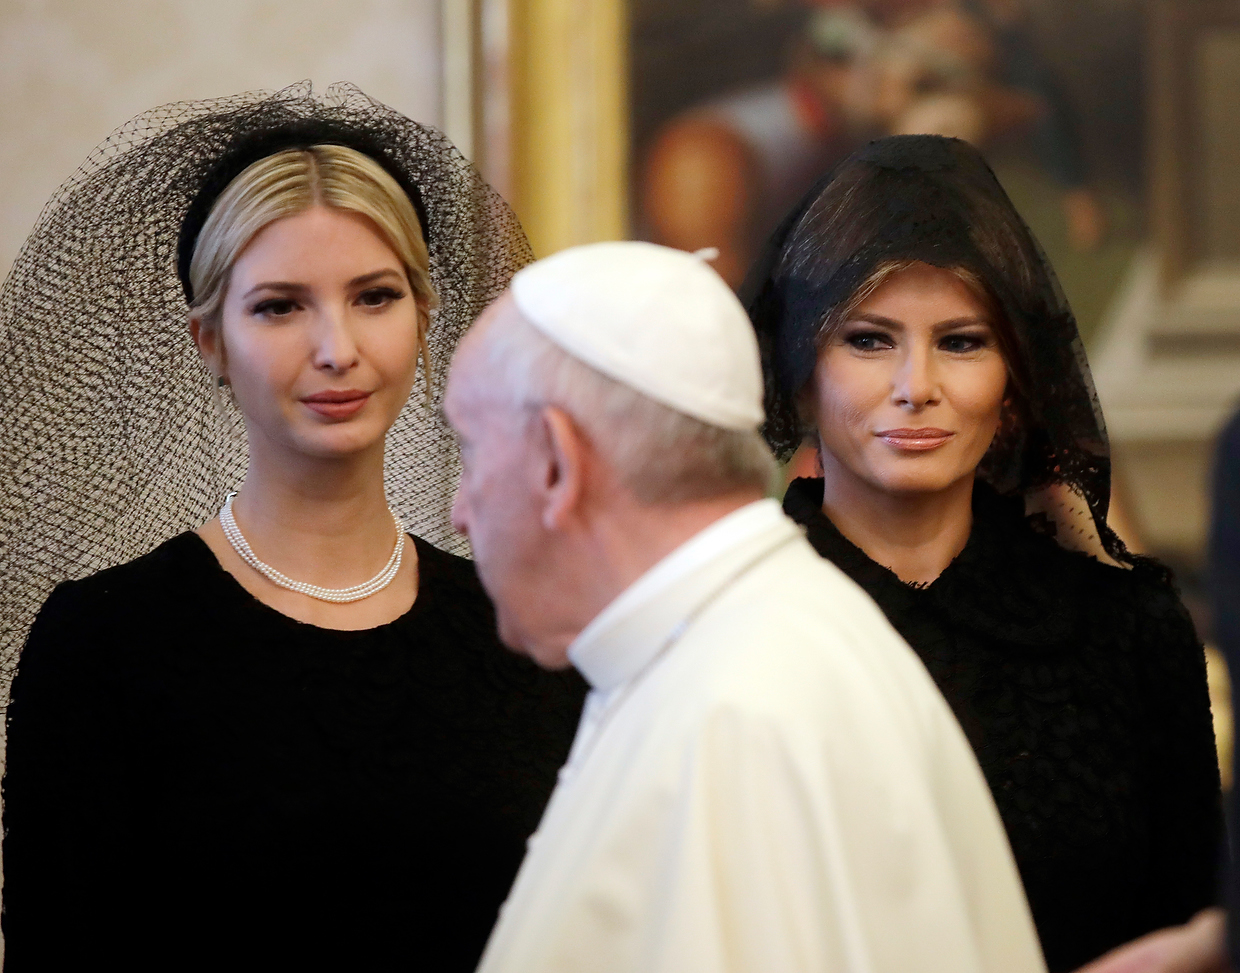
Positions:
{"x": 843, "y": 220}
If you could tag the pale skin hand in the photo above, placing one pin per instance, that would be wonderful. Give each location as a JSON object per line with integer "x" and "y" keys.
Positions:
{"x": 919, "y": 355}
{"x": 316, "y": 302}
{"x": 1200, "y": 946}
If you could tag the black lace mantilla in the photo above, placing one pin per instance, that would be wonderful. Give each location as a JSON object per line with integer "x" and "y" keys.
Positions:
{"x": 1082, "y": 690}
{"x": 935, "y": 200}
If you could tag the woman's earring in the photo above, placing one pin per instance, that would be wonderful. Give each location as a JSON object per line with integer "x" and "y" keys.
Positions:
{"x": 224, "y": 398}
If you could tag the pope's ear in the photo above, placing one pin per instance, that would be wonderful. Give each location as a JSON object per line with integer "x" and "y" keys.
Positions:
{"x": 569, "y": 453}
{"x": 209, "y": 344}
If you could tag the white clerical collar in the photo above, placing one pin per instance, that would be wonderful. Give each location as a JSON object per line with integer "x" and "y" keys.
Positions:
{"x": 626, "y": 635}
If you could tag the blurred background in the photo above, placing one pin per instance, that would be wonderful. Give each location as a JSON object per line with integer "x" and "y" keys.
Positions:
{"x": 1112, "y": 123}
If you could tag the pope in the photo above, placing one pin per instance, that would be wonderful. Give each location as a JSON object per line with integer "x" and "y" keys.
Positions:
{"x": 765, "y": 778}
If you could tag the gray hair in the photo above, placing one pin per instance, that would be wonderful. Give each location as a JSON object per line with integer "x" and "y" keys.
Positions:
{"x": 660, "y": 455}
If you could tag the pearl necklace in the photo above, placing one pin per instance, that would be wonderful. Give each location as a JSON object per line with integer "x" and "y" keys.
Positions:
{"x": 338, "y": 595}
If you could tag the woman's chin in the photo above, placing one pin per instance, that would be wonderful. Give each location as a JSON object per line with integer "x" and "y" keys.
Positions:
{"x": 914, "y": 482}
{"x": 337, "y": 442}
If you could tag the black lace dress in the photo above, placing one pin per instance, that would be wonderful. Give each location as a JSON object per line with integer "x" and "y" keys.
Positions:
{"x": 196, "y": 781}
{"x": 1082, "y": 689}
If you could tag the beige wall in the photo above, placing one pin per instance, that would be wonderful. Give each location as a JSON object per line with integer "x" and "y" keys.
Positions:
{"x": 73, "y": 70}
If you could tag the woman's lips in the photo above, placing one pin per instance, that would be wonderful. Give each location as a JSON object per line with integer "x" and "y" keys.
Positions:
{"x": 914, "y": 440}
{"x": 337, "y": 404}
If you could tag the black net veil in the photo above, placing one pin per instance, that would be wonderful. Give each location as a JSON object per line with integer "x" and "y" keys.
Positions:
{"x": 113, "y": 438}
{"x": 933, "y": 199}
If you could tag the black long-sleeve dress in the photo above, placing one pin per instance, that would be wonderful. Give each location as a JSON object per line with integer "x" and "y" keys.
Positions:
{"x": 1082, "y": 689}
{"x": 196, "y": 781}
{"x": 1224, "y": 575}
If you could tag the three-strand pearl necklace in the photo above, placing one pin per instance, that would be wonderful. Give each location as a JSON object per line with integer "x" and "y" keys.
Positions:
{"x": 338, "y": 595}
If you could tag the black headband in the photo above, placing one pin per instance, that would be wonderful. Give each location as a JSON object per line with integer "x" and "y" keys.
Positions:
{"x": 248, "y": 148}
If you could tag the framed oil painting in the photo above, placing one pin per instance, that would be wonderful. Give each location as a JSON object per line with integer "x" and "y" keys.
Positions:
{"x": 737, "y": 105}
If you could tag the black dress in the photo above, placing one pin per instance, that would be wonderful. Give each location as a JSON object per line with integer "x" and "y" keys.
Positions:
{"x": 1082, "y": 689}
{"x": 196, "y": 781}
{"x": 1224, "y": 575}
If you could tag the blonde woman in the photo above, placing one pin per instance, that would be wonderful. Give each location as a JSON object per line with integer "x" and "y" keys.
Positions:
{"x": 289, "y": 736}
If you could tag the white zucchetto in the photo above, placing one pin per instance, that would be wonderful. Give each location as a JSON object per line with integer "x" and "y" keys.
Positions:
{"x": 658, "y": 320}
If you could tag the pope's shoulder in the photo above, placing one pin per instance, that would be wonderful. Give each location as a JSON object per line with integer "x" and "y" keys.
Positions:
{"x": 797, "y": 604}
{"x": 796, "y": 639}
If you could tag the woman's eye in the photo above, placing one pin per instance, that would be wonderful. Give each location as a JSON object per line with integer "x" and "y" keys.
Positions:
{"x": 868, "y": 340}
{"x": 276, "y": 307}
{"x": 962, "y": 344}
{"x": 379, "y": 296}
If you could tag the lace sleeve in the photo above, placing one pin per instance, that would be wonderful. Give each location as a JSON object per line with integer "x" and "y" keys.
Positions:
{"x": 1185, "y": 798}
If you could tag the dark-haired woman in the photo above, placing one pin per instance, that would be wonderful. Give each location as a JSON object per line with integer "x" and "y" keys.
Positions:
{"x": 288, "y": 738}
{"x": 912, "y": 329}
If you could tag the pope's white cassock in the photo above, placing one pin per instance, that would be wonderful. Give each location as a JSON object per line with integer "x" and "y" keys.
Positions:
{"x": 765, "y": 779}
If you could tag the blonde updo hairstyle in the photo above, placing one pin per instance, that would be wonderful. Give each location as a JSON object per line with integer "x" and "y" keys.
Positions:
{"x": 290, "y": 182}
